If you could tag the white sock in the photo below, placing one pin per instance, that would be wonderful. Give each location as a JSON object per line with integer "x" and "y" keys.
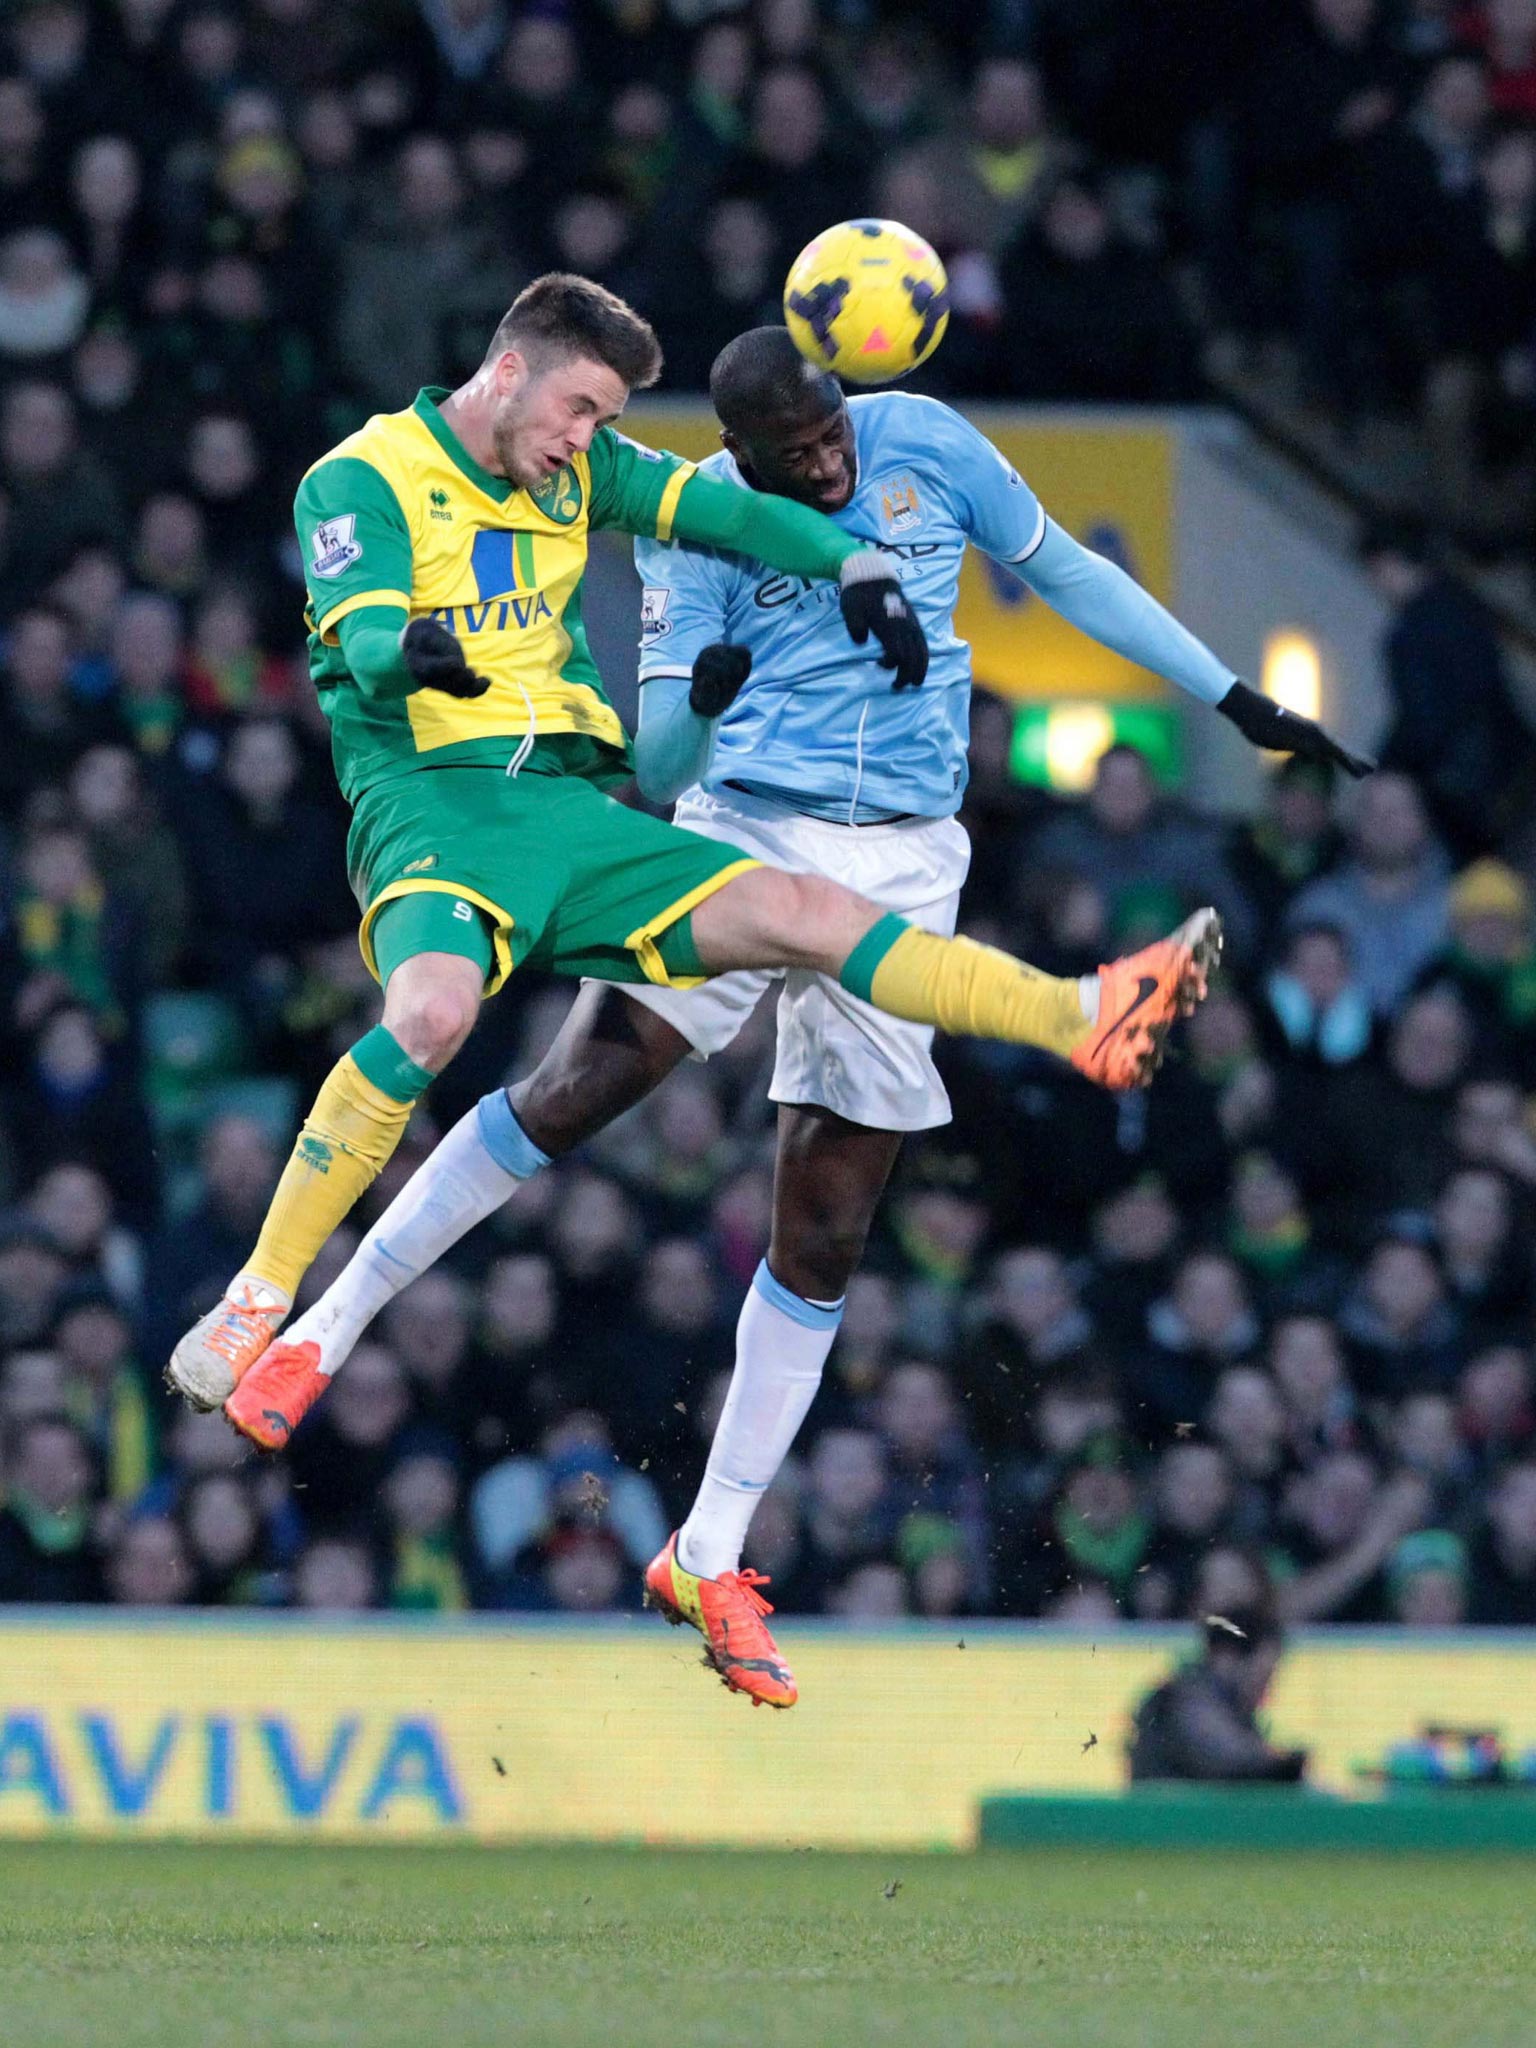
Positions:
{"x": 477, "y": 1166}
{"x": 782, "y": 1343}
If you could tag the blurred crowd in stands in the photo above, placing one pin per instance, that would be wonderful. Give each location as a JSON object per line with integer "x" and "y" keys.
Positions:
{"x": 1271, "y": 1324}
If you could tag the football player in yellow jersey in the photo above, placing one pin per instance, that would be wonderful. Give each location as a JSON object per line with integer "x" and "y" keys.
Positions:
{"x": 444, "y": 548}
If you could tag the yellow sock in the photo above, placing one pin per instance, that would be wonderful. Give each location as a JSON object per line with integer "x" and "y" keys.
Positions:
{"x": 347, "y": 1139}
{"x": 962, "y": 987}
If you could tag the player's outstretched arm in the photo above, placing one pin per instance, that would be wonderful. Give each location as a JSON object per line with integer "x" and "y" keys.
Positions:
{"x": 390, "y": 654}
{"x": 803, "y": 542}
{"x": 679, "y": 716}
{"x": 1112, "y": 608}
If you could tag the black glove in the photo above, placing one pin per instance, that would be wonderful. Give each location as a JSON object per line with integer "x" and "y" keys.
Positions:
{"x": 875, "y": 603}
{"x": 718, "y": 673}
{"x": 436, "y": 660}
{"x": 1267, "y": 724}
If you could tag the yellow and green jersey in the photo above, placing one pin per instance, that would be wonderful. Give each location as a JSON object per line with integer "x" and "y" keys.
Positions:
{"x": 401, "y": 515}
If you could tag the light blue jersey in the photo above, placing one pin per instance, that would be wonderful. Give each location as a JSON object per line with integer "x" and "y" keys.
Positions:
{"x": 817, "y": 727}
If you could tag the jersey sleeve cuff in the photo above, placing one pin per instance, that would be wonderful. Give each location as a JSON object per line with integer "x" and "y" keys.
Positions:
{"x": 656, "y": 675}
{"x": 328, "y": 621}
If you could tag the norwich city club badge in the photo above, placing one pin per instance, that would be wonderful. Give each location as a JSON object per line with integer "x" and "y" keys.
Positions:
{"x": 559, "y": 496}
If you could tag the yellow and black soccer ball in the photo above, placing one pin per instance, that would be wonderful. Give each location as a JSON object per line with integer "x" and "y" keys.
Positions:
{"x": 868, "y": 300}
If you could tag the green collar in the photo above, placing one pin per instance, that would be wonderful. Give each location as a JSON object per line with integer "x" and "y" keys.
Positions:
{"x": 428, "y": 400}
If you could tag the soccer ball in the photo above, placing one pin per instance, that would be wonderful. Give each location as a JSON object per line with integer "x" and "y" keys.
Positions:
{"x": 868, "y": 299}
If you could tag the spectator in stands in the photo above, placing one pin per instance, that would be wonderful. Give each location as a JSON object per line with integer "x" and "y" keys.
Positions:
{"x": 148, "y": 1565}
{"x": 1293, "y": 838}
{"x": 1306, "y": 1360}
{"x": 336, "y": 1575}
{"x": 1497, "y": 1410}
{"x": 1441, "y": 651}
{"x": 47, "y": 727}
{"x": 44, "y": 299}
{"x": 1146, "y": 858}
{"x": 1192, "y": 1497}
{"x": 238, "y": 1171}
{"x": 170, "y": 546}
{"x": 1315, "y": 1001}
{"x": 1486, "y": 1263}
{"x": 146, "y": 656}
{"x": 791, "y": 147}
{"x": 1086, "y": 312}
{"x": 47, "y": 1548}
{"x": 421, "y": 1504}
{"x": 845, "y": 1527}
{"x": 1387, "y": 1125}
{"x": 1389, "y": 898}
{"x": 228, "y": 670}
{"x": 1402, "y": 1331}
{"x": 1506, "y": 30}
{"x": 429, "y": 1329}
{"x": 574, "y": 1483}
{"x": 223, "y": 1532}
{"x": 1503, "y": 1571}
{"x": 106, "y": 1393}
{"x": 524, "y": 1375}
{"x": 270, "y": 871}
{"x": 1246, "y": 1420}
{"x": 1491, "y": 961}
{"x": 417, "y": 273}
{"x": 73, "y": 1204}
{"x": 932, "y": 1467}
{"x": 1135, "y": 1241}
{"x": 1343, "y": 1526}
{"x": 1203, "y": 1323}
{"x": 129, "y": 841}
{"x": 109, "y": 231}
{"x": 1003, "y": 159}
{"x": 59, "y": 497}
{"x": 1427, "y": 1580}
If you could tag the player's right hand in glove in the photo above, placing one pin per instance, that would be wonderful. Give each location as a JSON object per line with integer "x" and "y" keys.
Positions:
{"x": 873, "y": 601}
{"x": 718, "y": 673}
{"x": 1269, "y": 725}
{"x": 436, "y": 660}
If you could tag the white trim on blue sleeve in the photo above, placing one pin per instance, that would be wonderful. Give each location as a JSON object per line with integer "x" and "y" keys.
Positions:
{"x": 1035, "y": 539}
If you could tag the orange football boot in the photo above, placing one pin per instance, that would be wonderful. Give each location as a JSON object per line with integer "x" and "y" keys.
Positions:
{"x": 728, "y": 1613}
{"x": 277, "y": 1393}
{"x": 1140, "y": 998}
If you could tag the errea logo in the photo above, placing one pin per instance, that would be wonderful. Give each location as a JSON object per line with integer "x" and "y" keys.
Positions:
{"x": 438, "y": 500}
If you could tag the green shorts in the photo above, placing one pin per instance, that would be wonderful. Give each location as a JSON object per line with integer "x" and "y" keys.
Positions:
{"x": 566, "y": 879}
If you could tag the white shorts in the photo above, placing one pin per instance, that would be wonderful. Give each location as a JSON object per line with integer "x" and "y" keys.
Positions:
{"x": 833, "y": 1049}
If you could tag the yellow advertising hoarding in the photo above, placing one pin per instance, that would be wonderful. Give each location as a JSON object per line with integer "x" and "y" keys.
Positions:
{"x": 198, "y": 1726}
{"x": 1109, "y": 482}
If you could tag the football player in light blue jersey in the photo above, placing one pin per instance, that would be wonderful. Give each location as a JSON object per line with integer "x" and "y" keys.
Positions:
{"x": 820, "y": 730}
{"x": 775, "y": 737}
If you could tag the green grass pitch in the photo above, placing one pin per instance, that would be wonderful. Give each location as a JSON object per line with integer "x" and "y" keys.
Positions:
{"x": 137, "y": 1946}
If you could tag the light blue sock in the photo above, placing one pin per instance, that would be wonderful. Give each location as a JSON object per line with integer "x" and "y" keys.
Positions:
{"x": 483, "y": 1159}
{"x": 782, "y": 1342}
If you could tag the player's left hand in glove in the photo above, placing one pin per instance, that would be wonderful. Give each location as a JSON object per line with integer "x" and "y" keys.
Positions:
{"x": 718, "y": 673}
{"x": 436, "y": 660}
{"x": 1270, "y": 725}
{"x": 873, "y": 601}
